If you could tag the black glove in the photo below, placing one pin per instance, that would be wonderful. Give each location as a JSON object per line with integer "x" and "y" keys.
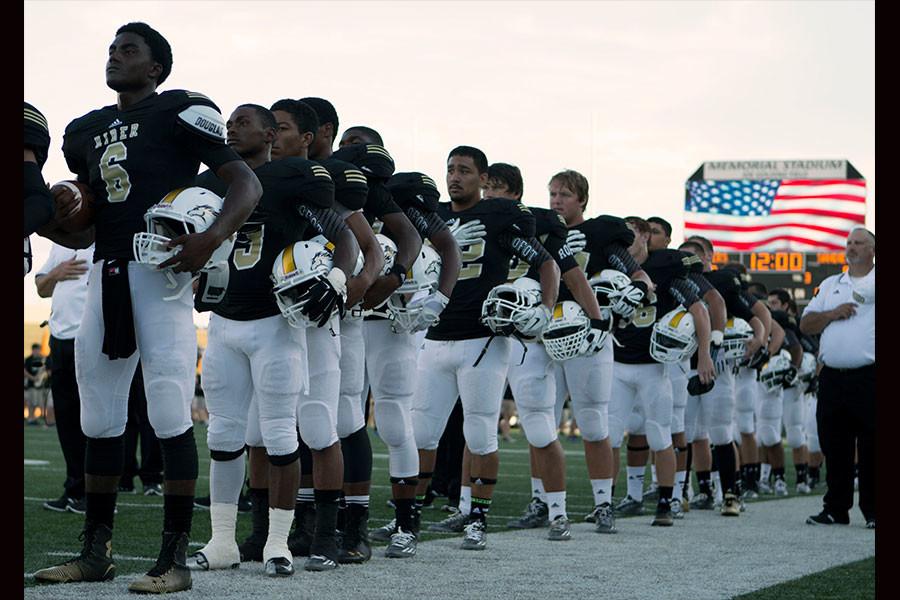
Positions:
{"x": 788, "y": 380}
{"x": 320, "y": 301}
{"x": 759, "y": 359}
{"x": 629, "y": 299}
{"x": 695, "y": 388}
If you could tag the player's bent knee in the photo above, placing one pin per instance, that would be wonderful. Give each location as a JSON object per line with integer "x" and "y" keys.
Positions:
{"x": 658, "y": 437}
{"x": 480, "y": 434}
{"x": 593, "y": 424}
{"x": 317, "y": 426}
{"x": 795, "y": 437}
{"x": 538, "y": 428}
{"x": 746, "y": 422}
{"x": 720, "y": 434}
{"x": 283, "y": 460}
{"x": 394, "y": 423}
{"x": 768, "y": 434}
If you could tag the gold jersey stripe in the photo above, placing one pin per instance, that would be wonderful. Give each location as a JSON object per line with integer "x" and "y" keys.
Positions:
{"x": 356, "y": 178}
{"x": 36, "y": 117}
{"x": 377, "y": 150}
{"x": 197, "y": 95}
{"x": 287, "y": 260}
{"x": 170, "y": 197}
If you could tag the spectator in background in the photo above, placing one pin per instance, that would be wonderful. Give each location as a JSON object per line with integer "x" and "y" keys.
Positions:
{"x": 34, "y": 365}
{"x": 844, "y": 313}
{"x": 150, "y": 470}
{"x": 63, "y": 278}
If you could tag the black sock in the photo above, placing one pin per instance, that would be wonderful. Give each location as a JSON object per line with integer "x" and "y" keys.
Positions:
{"x": 100, "y": 508}
{"x": 723, "y": 454}
{"x": 814, "y": 472}
{"x": 801, "y": 472}
{"x": 177, "y": 513}
{"x": 665, "y": 498}
{"x": 405, "y": 512}
{"x": 480, "y": 508}
{"x": 326, "y": 521}
{"x": 704, "y": 483}
{"x": 259, "y": 501}
{"x": 778, "y": 473}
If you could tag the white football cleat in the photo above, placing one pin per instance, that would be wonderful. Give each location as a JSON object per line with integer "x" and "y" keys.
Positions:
{"x": 215, "y": 555}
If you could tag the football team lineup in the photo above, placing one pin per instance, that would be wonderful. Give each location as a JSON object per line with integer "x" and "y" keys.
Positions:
{"x": 371, "y": 342}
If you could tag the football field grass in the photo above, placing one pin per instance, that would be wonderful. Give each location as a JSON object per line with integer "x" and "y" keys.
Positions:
{"x": 50, "y": 537}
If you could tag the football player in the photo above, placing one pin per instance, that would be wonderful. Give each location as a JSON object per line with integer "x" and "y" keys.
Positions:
{"x": 461, "y": 357}
{"x": 38, "y": 201}
{"x": 660, "y": 233}
{"x": 131, "y": 155}
{"x": 360, "y": 134}
{"x": 252, "y": 350}
{"x": 642, "y": 384}
{"x": 589, "y": 379}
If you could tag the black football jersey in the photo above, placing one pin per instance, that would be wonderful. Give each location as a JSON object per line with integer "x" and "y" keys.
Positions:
{"x": 485, "y": 264}
{"x": 728, "y": 284}
{"x": 790, "y": 326}
{"x": 667, "y": 269}
{"x": 550, "y": 229}
{"x": 132, "y": 158}
{"x": 417, "y": 196}
{"x": 608, "y": 239}
{"x": 350, "y": 187}
{"x": 297, "y": 196}
{"x": 37, "y": 133}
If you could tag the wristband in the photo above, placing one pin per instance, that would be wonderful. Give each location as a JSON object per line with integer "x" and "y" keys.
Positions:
{"x": 716, "y": 337}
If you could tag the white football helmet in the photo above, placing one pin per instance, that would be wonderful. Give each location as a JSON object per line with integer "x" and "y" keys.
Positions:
{"x": 295, "y": 269}
{"x": 674, "y": 338}
{"x": 608, "y": 284}
{"x": 421, "y": 279}
{"x": 389, "y": 249}
{"x": 507, "y": 301}
{"x": 569, "y": 326}
{"x": 180, "y": 212}
{"x": 807, "y": 367}
{"x": 329, "y": 247}
{"x": 772, "y": 373}
{"x": 737, "y": 333}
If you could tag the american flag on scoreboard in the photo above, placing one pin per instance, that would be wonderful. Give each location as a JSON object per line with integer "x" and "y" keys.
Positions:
{"x": 773, "y": 214}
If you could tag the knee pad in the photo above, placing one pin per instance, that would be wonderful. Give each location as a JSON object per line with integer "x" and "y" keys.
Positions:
{"x": 317, "y": 426}
{"x": 357, "y": 451}
{"x": 812, "y": 442}
{"x": 636, "y": 423}
{"x": 225, "y": 456}
{"x": 539, "y": 428}
{"x": 480, "y": 432}
{"x": 795, "y": 437}
{"x": 226, "y": 433}
{"x": 404, "y": 460}
{"x": 350, "y": 416}
{"x": 746, "y": 422}
{"x": 283, "y": 460}
{"x": 168, "y": 403}
{"x": 593, "y": 423}
{"x": 427, "y": 429}
{"x": 180, "y": 456}
{"x": 768, "y": 433}
{"x": 278, "y": 431}
{"x": 720, "y": 435}
{"x": 394, "y": 422}
{"x": 105, "y": 456}
{"x": 658, "y": 436}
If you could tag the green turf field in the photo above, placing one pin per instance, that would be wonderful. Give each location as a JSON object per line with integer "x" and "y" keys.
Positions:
{"x": 853, "y": 580}
{"x": 50, "y": 537}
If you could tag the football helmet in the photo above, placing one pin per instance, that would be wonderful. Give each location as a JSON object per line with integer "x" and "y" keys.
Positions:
{"x": 180, "y": 212}
{"x": 773, "y": 372}
{"x": 673, "y": 338}
{"x": 329, "y": 247}
{"x": 807, "y": 367}
{"x": 737, "y": 333}
{"x": 566, "y": 332}
{"x": 506, "y": 302}
{"x": 608, "y": 284}
{"x": 295, "y": 270}
{"x": 421, "y": 279}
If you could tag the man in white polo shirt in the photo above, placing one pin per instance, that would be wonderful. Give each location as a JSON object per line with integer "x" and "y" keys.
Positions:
{"x": 64, "y": 277}
{"x": 843, "y": 311}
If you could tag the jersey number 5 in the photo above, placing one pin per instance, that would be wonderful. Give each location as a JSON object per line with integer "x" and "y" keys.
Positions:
{"x": 118, "y": 185}
{"x": 472, "y": 253}
{"x": 247, "y": 255}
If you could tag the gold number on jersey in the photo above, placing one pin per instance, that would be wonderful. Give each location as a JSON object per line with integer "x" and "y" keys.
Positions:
{"x": 644, "y": 317}
{"x": 472, "y": 253}
{"x": 246, "y": 258}
{"x": 118, "y": 185}
{"x": 582, "y": 259}
{"x": 518, "y": 268}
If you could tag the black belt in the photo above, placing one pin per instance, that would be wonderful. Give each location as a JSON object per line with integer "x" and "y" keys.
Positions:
{"x": 855, "y": 369}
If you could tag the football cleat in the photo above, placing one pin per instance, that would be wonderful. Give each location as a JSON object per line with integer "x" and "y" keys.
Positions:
{"x": 731, "y": 506}
{"x": 95, "y": 563}
{"x": 279, "y": 567}
{"x": 61, "y": 504}
{"x": 153, "y": 489}
{"x": 803, "y": 488}
{"x": 825, "y": 518}
{"x": 781, "y": 488}
{"x": 663, "y": 517}
{"x": 603, "y": 518}
{"x": 170, "y": 573}
{"x": 702, "y": 502}
{"x": 319, "y": 562}
{"x": 535, "y": 516}
{"x": 354, "y": 547}
{"x": 870, "y": 523}
{"x": 476, "y": 536}
{"x": 384, "y": 533}
{"x": 301, "y": 537}
{"x": 677, "y": 509}
{"x": 215, "y": 555}
{"x": 455, "y": 523}
{"x": 764, "y": 487}
{"x": 559, "y": 529}
{"x": 403, "y": 545}
{"x": 629, "y": 506}
{"x": 749, "y": 494}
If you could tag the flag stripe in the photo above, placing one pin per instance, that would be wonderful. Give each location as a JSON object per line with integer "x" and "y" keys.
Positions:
{"x": 855, "y": 182}
{"x": 824, "y": 213}
{"x": 743, "y": 229}
{"x": 835, "y": 205}
{"x": 777, "y": 243}
{"x": 731, "y": 222}
{"x": 844, "y": 197}
{"x": 773, "y": 234}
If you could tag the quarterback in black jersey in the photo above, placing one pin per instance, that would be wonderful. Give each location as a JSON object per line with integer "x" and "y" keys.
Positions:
{"x": 459, "y": 341}
{"x": 253, "y": 352}
{"x": 641, "y": 385}
{"x": 131, "y": 155}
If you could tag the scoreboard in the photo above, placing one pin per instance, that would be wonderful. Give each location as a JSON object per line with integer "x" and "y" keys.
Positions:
{"x": 800, "y": 273}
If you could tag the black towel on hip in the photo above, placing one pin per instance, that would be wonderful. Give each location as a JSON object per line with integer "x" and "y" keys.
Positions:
{"x": 118, "y": 318}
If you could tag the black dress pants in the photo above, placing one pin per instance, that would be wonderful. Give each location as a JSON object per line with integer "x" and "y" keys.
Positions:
{"x": 67, "y": 405}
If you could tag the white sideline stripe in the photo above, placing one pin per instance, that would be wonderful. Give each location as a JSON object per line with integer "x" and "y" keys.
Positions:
{"x": 135, "y": 504}
{"x": 33, "y": 462}
{"x": 115, "y": 556}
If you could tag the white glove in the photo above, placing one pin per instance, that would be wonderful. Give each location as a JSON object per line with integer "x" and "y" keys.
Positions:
{"x": 629, "y": 299}
{"x": 576, "y": 241}
{"x": 533, "y": 321}
{"x": 432, "y": 307}
{"x": 467, "y": 233}
{"x": 596, "y": 338}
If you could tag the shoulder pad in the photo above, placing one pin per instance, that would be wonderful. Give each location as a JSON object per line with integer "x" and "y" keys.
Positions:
{"x": 723, "y": 280}
{"x": 350, "y": 186}
{"x": 503, "y": 215}
{"x": 37, "y": 133}
{"x": 606, "y": 230}
{"x": 203, "y": 120}
{"x": 373, "y": 159}
{"x": 414, "y": 189}
{"x": 691, "y": 262}
{"x": 548, "y": 221}
{"x": 668, "y": 259}
{"x": 782, "y": 318}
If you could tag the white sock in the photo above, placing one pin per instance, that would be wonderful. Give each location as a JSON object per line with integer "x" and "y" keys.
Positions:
{"x": 680, "y": 477}
{"x": 280, "y": 521}
{"x": 361, "y": 500}
{"x": 226, "y": 478}
{"x": 717, "y": 481}
{"x": 653, "y": 474}
{"x": 224, "y": 520}
{"x": 556, "y": 502}
{"x": 636, "y": 482}
{"x": 465, "y": 499}
{"x": 306, "y": 495}
{"x": 537, "y": 489}
{"x": 602, "y": 491}
{"x": 765, "y": 469}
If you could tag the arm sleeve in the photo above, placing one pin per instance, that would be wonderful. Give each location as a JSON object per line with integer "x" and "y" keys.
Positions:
{"x": 528, "y": 249}
{"x": 701, "y": 282}
{"x": 427, "y": 224}
{"x": 557, "y": 248}
{"x": 325, "y": 221}
{"x": 620, "y": 260}
{"x": 683, "y": 292}
{"x": 38, "y": 200}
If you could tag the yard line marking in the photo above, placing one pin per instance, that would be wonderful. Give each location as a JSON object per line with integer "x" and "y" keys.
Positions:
{"x": 117, "y": 556}
{"x": 31, "y": 462}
